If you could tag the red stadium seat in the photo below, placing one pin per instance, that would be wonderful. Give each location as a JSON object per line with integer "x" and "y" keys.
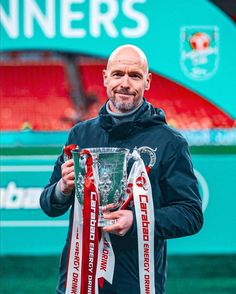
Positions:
{"x": 34, "y": 95}
{"x": 184, "y": 109}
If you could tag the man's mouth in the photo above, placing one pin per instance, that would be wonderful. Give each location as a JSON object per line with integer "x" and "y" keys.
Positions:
{"x": 125, "y": 93}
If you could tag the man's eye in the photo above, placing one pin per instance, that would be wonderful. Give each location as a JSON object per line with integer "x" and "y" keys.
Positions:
{"x": 118, "y": 74}
{"x": 135, "y": 76}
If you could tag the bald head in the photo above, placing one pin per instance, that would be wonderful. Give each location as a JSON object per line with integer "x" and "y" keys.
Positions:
{"x": 126, "y": 78}
{"x": 128, "y": 54}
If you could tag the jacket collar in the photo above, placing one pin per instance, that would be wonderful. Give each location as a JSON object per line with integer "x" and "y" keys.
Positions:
{"x": 145, "y": 117}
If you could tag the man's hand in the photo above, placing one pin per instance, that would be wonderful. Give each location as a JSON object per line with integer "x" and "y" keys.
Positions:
{"x": 124, "y": 221}
{"x": 68, "y": 175}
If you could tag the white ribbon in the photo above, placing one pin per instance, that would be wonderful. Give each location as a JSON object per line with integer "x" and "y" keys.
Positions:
{"x": 73, "y": 282}
{"x": 106, "y": 259}
{"x": 144, "y": 211}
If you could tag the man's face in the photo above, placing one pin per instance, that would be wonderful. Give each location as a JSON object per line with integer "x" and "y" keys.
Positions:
{"x": 126, "y": 78}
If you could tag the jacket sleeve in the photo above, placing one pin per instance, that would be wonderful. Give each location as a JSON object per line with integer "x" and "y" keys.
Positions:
{"x": 48, "y": 201}
{"x": 181, "y": 209}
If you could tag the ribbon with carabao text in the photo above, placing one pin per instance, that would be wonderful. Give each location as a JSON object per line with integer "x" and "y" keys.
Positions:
{"x": 83, "y": 254}
{"x": 87, "y": 261}
{"x": 143, "y": 202}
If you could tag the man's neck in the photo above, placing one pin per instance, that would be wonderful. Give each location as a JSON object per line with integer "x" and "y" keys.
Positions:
{"x": 122, "y": 114}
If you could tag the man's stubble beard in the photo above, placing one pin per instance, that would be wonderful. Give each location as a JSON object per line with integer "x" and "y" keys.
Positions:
{"x": 124, "y": 106}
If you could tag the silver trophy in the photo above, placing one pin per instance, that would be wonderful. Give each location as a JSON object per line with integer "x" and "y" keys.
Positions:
{"x": 110, "y": 170}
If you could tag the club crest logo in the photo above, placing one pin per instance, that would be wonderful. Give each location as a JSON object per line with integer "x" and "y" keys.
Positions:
{"x": 199, "y": 55}
{"x": 141, "y": 181}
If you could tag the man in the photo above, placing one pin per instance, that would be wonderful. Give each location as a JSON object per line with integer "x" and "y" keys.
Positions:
{"x": 128, "y": 120}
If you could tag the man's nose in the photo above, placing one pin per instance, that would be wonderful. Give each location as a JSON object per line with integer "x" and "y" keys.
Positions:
{"x": 125, "y": 82}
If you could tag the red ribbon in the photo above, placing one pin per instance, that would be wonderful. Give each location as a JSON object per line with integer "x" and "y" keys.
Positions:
{"x": 67, "y": 150}
{"x": 90, "y": 231}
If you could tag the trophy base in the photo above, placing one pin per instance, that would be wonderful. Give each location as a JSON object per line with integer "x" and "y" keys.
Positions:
{"x": 105, "y": 222}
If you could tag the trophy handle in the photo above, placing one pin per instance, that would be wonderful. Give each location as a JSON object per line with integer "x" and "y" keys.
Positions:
{"x": 135, "y": 155}
{"x": 150, "y": 152}
{"x": 67, "y": 151}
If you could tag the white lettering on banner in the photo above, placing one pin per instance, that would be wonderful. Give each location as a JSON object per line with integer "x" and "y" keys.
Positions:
{"x": 67, "y": 16}
{"x": 10, "y": 22}
{"x": 74, "y": 18}
{"x": 93, "y": 216}
{"x": 140, "y": 18}
{"x": 90, "y": 282}
{"x": 13, "y": 197}
{"x": 46, "y": 22}
{"x": 91, "y": 257}
{"x": 106, "y": 19}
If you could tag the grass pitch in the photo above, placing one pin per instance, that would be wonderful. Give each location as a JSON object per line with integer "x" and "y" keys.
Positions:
{"x": 214, "y": 274}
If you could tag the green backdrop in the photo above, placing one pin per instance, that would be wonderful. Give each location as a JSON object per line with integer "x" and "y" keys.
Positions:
{"x": 26, "y": 230}
{"x": 164, "y": 30}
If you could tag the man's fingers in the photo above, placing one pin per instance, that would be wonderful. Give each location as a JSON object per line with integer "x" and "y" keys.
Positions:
{"x": 67, "y": 170}
{"x": 116, "y": 230}
{"x": 113, "y": 215}
{"x": 69, "y": 176}
{"x": 68, "y": 163}
{"x": 108, "y": 215}
{"x": 70, "y": 183}
{"x": 124, "y": 220}
{"x": 113, "y": 228}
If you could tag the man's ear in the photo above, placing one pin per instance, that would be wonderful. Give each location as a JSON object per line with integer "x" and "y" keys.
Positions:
{"x": 148, "y": 81}
{"x": 104, "y": 73}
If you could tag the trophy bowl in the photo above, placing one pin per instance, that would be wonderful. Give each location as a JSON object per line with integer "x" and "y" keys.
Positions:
{"x": 110, "y": 170}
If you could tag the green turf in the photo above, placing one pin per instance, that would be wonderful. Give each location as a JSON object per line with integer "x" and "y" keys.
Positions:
{"x": 24, "y": 275}
{"x": 55, "y": 150}
{"x": 186, "y": 275}
{"x": 202, "y": 274}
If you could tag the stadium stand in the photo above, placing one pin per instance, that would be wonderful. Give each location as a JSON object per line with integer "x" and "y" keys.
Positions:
{"x": 35, "y": 94}
{"x": 184, "y": 109}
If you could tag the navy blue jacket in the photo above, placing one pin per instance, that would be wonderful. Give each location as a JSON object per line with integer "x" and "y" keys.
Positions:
{"x": 176, "y": 199}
